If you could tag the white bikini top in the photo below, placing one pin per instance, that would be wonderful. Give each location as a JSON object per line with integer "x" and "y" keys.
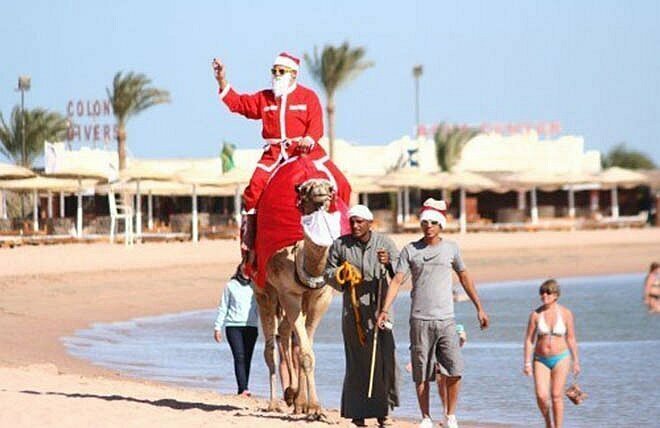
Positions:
{"x": 559, "y": 329}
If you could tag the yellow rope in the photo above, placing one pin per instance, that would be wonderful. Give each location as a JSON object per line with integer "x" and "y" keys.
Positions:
{"x": 349, "y": 274}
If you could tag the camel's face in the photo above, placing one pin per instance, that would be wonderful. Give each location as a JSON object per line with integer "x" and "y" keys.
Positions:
{"x": 315, "y": 194}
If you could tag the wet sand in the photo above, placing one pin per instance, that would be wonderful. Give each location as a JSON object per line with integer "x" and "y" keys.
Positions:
{"x": 47, "y": 292}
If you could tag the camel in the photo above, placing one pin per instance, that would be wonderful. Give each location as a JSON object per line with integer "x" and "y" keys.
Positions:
{"x": 302, "y": 306}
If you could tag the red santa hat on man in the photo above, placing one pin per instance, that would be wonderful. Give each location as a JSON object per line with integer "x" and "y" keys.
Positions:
{"x": 434, "y": 210}
{"x": 285, "y": 59}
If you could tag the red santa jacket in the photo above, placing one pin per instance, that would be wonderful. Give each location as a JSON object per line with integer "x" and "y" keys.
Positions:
{"x": 293, "y": 115}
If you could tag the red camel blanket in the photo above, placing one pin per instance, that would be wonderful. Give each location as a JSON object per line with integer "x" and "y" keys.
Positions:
{"x": 278, "y": 217}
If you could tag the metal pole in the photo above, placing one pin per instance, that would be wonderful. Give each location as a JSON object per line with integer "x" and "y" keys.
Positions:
{"x": 406, "y": 204}
{"x": 3, "y": 205}
{"x": 50, "y": 204}
{"x": 417, "y": 73}
{"x": 534, "y": 208}
{"x": 79, "y": 211}
{"x": 138, "y": 210}
{"x": 463, "y": 215}
{"x": 195, "y": 231}
{"x": 35, "y": 210}
{"x": 571, "y": 202}
{"x": 62, "y": 211}
{"x": 399, "y": 207}
{"x": 237, "y": 206}
{"x": 150, "y": 211}
{"x": 615, "y": 202}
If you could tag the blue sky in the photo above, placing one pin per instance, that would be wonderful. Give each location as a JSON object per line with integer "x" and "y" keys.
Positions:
{"x": 592, "y": 65}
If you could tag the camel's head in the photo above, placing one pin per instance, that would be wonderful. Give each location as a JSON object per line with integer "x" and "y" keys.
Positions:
{"x": 315, "y": 194}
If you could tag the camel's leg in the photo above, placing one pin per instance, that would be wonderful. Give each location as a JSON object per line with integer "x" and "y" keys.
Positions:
{"x": 267, "y": 303}
{"x": 288, "y": 371}
{"x": 292, "y": 305}
{"x": 315, "y": 305}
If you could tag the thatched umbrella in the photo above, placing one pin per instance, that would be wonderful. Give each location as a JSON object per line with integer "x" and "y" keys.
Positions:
{"x": 10, "y": 172}
{"x": 212, "y": 175}
{"x": 40, "y": 183}
{"x": 546, "y": 180}
{"x": 78, "y": 168}
{"x": 616, "y": 177}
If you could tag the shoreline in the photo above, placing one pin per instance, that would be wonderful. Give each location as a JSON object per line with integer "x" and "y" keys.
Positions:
{"x": 50, "y": 292}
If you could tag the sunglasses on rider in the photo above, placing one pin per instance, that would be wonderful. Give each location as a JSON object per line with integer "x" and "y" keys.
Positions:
{"x": 279, "y": 71}
{"x": 432, "y": 222}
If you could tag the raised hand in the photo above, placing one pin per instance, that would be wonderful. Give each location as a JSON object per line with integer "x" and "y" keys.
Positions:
{"x": 219, "y": 72}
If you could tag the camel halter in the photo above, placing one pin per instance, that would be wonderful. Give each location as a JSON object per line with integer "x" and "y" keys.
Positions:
{"x": 348, "y": 274}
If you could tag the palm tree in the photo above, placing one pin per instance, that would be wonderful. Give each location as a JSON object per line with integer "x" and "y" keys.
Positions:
{"x": 621, "y": 155}
{"x": 449, "y": 143}
{"x": 131, "y": 93}
{"x": 335, "y": 67}
{"x": 40, "y": 125}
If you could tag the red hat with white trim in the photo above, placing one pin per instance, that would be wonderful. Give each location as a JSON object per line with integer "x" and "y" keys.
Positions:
{"x": 434, "y": 210}
{"x": 287, "y": 60}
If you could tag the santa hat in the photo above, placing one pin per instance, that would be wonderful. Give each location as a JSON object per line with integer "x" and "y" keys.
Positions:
{"x": 287, "y": 60}
{"x": 360, "y": 211}
{"x": 434, "y": 210}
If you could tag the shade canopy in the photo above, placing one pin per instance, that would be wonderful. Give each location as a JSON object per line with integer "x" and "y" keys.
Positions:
{"x": 46, "y": 183}
{"x": 653, "y": 176}
{"x": 413, "y": 177}
{"x": 160, "y": 169}
{"x": 163, "y": 188}
{"x": 212, "y": 176}
{"x": 368, "y": 184}
{"x": 466, "y": 180}
{"x": 9, "y": 171}
{"x": 621, "y": 177}
{"x": 545, "y": 179}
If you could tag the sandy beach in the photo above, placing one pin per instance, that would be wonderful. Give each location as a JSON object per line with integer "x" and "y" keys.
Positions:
{"x": 51, "y": 291}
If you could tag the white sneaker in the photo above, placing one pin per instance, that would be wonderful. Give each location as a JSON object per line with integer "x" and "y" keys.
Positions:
{"x": 451, "y": 421}
{"x": 426, "y": 423}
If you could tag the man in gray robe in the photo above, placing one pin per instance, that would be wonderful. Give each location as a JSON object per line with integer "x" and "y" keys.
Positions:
{"x": 372, "y": 254}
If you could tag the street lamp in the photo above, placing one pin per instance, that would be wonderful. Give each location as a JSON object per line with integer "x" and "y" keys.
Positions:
{"x": 24, "y": 83}
{"x": 417, "y": 73}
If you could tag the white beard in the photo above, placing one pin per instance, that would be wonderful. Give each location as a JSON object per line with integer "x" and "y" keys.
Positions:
{"x": 281, "y": 84}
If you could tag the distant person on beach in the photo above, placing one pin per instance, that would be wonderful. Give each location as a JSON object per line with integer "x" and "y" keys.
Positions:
{"x": 371, "y": 255}
{"x": 552, "y": 327}
{"x": 652, "y": 288}
{"x": 237, "y": 313}
{"x": 433, "y": 337}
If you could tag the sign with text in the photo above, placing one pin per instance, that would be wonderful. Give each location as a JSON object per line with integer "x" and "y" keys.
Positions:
{"x": 91, "y": 121}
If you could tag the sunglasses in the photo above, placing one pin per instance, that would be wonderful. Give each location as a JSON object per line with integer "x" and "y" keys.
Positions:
{"x": 279, "y": 71}
{"x": 542, "y": 292}
{"x": 427, "y": 222}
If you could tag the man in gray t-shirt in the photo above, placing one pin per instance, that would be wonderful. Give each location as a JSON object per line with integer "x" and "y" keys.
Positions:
{"x": 434, "y": 346}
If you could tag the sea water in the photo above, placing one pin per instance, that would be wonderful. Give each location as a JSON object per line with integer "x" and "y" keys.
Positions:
{"x": 619, "y": 344}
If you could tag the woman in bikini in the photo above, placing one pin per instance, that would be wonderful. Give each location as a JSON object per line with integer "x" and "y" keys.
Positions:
{"x": 652, "y": 288}
{"x": 551, "y": 326}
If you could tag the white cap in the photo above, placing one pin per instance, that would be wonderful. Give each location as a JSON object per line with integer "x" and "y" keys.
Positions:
{"x": 285, "y": 59}
{"x": 360, "y": 211}
{"x": 434, "y": 210}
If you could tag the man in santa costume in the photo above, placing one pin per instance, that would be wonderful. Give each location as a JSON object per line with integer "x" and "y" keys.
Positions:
{"x": 292, "y": 124}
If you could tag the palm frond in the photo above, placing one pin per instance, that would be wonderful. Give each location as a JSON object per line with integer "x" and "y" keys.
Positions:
{"x": 132, "y": 93}
{"x": 40, "y": 125}
{"x": 449, "y": 143}
{"x": 336, "y": 66}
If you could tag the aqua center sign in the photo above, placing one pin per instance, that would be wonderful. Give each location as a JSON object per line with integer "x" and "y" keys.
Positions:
{"x": 91, "y": 121}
